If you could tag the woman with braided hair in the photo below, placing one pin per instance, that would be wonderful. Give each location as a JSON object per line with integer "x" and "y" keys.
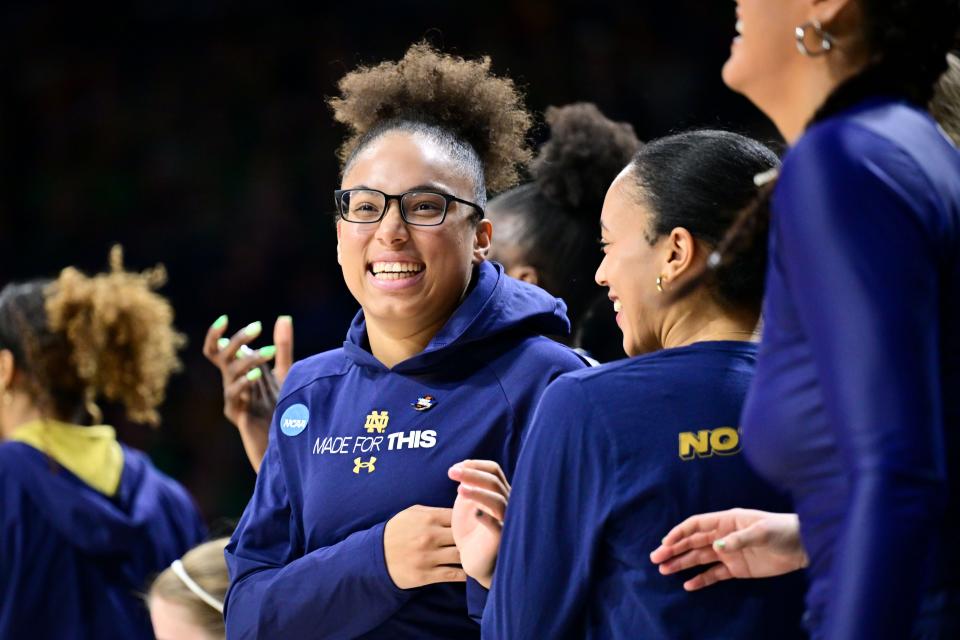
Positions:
{"x": 348, "y": 532}
{"x": 84, "y": 520}
{"x": 546, "y": 228}
{"x": 855, "y": 407}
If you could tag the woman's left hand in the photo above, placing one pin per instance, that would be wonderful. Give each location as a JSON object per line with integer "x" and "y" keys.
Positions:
{"x": 478, "y": 515}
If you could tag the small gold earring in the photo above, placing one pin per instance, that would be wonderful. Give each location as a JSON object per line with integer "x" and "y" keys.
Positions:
{"x": 660, "y": 284}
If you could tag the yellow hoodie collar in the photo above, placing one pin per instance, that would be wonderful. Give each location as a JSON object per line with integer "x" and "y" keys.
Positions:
{"x": 90, "y": 453}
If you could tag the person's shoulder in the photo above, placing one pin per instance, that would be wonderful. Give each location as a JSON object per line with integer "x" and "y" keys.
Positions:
{"x": 536, "y": 351}
{"x": 17, "y": 458}
{"x": 544, "y": 349}
{"x": 634, "y": 380}
{"x": 878, "y": 133}
{"x": 305, "y": 372}
{"x": 140, "y": 470}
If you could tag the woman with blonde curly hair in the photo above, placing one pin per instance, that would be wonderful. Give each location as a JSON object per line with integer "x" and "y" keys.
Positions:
{"x": 84, "y": 520}
{"x": 348, "y": 532}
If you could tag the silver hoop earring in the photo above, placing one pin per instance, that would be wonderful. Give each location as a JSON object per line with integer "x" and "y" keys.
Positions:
{"x": 826, "y": 40}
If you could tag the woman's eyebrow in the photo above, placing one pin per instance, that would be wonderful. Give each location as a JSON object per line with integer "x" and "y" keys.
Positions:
{"x": 430, "y": 187}
{"x": 419, "y": 187}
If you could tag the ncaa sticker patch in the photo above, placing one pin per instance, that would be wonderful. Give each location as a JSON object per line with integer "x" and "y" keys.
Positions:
{"x": 294, "y": 420}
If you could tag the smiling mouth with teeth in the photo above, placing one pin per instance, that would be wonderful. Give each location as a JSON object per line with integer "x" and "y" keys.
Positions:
{"x": 395, "y": 270}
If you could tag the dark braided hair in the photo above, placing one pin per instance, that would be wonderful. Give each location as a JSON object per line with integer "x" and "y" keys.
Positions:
{"x": 908, "y": 41}
{"x": 553, "y": 218}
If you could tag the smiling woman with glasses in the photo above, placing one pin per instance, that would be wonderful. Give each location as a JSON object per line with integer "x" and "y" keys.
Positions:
{"x": 348, "y": 533}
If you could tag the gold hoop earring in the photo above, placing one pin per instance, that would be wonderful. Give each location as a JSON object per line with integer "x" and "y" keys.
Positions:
{"x": 660, "y": 284}
{"x": 826, "y": 40}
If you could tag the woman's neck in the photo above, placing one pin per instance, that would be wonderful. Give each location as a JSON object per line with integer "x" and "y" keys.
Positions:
{"x": 19, "y": 413}
{"x": 792, "y": 107}
{"x": 691, "y": 325}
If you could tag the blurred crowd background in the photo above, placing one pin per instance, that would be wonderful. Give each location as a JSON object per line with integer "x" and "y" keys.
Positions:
{"x": 197, "y": 135}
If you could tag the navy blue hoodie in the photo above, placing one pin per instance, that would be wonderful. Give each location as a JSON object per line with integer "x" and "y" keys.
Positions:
{"x": 353, "y": 443}
{"x": 74, "y": 561}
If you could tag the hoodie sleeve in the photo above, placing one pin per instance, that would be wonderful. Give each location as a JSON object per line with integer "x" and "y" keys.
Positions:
{"x": 277, "y": 591}
{"x": 545, "y": 575}
{"x": 854, "y": 246}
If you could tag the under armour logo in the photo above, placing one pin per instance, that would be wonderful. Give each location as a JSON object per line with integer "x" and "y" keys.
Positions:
{"x": 360, "y": 464}
{"x": 377, "y": 421}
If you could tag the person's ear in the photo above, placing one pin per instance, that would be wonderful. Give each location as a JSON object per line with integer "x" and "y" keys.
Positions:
{"x": 339, "y": 260}
{"x": 525, "y": 272}
{"x": 680, "y": 254}
{"x": 6, "y": 369}
{"x": 827, "y": 11}
{"x": 482, "y": 240}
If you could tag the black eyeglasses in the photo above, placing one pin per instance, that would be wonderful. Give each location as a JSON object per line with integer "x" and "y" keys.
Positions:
{"x": 419, "y": 208}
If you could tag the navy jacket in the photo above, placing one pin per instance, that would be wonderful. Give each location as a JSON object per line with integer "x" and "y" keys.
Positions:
{"x": 856, "y": 404}
{"x": 353, "y": 443}
{"x": 74, "y": 563}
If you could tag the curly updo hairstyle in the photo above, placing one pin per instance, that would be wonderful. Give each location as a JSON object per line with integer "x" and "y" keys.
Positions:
{"x": 79, "y": 338}
{"x": 553, "y": 219}
{"x": 459, "y": 104}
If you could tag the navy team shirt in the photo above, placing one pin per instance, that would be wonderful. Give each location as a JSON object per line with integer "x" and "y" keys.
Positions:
{"x": 615, "y": 457}
{"x": 353, "y": 443}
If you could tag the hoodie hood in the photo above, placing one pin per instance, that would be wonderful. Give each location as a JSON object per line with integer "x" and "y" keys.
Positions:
{"x": 146, "y": 509}
{"x": 90, "y": 453}
{"x": 495, "y": 304}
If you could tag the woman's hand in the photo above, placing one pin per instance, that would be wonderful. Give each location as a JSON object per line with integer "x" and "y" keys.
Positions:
{"x": 419, "y": 549}
{"x": 478, "y": 515}
{"x": 743, "y": 542}
{"x": 250, "y": 389}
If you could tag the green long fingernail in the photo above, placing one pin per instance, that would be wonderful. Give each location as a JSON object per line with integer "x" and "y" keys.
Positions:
{"x": 253, "y": 329}
{"x": 254, "y": 374}
{"x": 719, "y": 545}
{"x": 244, "y": 351}
{"x": 268, "y": 351}
{"x": 222, "y": 343}
{"x": 286, "y": 318}
{"x": 220, "y": 322}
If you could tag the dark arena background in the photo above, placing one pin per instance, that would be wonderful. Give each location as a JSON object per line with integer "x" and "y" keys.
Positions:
{"x": 196, "y": 134}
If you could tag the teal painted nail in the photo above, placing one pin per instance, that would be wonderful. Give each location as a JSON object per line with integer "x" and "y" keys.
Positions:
{"x": 222, "y": 343}
{"x": 254, "y": 374}
{"x": 220, "y": 322}
{"x": 268, "y": 351}
{"x": 253, "y": 329}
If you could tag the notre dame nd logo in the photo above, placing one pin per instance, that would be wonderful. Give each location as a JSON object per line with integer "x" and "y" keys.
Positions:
{"x": 377, "y": 421}
{"x": 724, "y": 441}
